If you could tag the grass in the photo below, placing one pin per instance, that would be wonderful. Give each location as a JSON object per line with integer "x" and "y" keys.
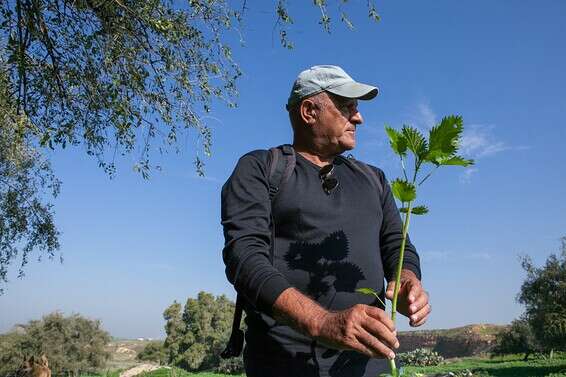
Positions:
{"x": 176, "y": 372}
{"x": 507, "y": 366}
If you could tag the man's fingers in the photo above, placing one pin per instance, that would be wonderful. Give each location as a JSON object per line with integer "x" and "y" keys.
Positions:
{"x": 380, "y": 315}
{"x": 381, "y": 332}
{"x": 389, "y": 291}
{"x": 418, "y": 303}
{"x": 377, "y": 347}
{"x": 415, "y": 291}
{"x": 420, "y": 317}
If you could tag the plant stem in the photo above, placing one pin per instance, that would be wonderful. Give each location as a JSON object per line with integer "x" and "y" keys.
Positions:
{"x": 403, "y": 166}
{"x": 406, "y": 222}
{"x": 428, "y": 175}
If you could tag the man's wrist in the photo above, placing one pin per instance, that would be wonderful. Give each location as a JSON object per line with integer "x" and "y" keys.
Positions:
{"x": 299, "y": 312}
{"x": 408, "y": 274}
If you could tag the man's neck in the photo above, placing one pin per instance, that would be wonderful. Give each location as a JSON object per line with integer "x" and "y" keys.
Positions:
{"x": 318, "y": 158}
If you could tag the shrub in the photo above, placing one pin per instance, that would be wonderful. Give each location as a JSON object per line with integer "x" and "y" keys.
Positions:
{"x": 197, "y": 333}
{"x": 234, "y": 365}
{"x": 153, "y": 351}
{"x": 517, "y": 338}
{"x": 421, "y": 357}
{"x": 73, "y": 345}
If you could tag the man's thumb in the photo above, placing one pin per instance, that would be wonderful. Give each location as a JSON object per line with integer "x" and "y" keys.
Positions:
{"x": 389, "y": 291}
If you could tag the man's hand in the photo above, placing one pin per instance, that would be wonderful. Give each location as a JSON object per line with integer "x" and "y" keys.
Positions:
{"x": 361, "y": 328}
{"x": 412, "y": 301}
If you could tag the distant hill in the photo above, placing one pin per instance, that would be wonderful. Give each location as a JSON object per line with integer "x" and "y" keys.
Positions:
{"x": 463, "y": 341}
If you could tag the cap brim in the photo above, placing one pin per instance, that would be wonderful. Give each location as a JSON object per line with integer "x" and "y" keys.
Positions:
{"x": 355, "y": 90}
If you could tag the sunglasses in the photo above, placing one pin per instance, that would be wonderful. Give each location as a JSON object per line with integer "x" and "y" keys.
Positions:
{"x": 329, "y": 183}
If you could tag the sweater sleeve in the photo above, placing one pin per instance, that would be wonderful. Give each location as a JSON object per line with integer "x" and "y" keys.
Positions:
{"x": 246, "y": 218}
{"x": 391, "y": 236}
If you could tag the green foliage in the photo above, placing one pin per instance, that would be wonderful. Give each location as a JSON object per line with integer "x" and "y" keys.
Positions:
{"x": 518, "y": 338}
{"x": 403, "y": 190}
{"x": 416, "y": 142}
{"x": 397, "y": 141}
{"x": 114, "y": 76}
{"x": 443, "y": 138}
{"x": 234, "y": 365}
{"x": 153, "y": 351}
{"x": 371, "y": 292}
{"x": 418, "y": 210}
{"x": 506, "y": 366}
{"x": 73, "y": 344}
{"x": 198, "y": 334}
{"x": 26, "y": 180}
{"x": 420, "y": 357}
{"x": 544, "y": 295}
{"x": 439, "y": 149}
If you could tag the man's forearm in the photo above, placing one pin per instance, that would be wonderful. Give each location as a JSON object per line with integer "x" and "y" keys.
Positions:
{"x": 298, "y": 311}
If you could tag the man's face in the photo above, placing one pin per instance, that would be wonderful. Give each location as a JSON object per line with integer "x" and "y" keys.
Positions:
{"x": 337, "y": 122}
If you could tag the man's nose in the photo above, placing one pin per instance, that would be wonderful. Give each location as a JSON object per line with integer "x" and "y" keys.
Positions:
{"x": 356, "y": 117}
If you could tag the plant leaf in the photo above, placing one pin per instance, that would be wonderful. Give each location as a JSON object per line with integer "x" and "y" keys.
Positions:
{"x": 397, "y": 141}
{"x": 366, "y": 291}
{"x": 371, "y": 292}
{"x": 444, "y": 138}
{"x": 416, "y": 142}
{"x": 418, "y": 210}
{"x": 403, "y": 190}
{"x": 455, "y": 160}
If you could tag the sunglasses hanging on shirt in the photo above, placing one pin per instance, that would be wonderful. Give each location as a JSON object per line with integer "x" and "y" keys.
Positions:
{"x": 329, "y": 183}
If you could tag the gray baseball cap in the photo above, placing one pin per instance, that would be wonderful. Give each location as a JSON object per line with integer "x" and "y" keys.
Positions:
{"x": 329, "y": 78}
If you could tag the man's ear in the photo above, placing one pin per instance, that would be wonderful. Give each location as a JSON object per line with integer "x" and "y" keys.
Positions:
{"x": 307, "y": 110}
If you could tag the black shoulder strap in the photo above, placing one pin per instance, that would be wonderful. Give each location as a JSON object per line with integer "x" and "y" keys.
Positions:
{"x": 280, "y": 165}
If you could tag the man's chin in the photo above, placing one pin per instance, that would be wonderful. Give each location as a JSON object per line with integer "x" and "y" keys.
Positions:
{"x": 348, "y": 146}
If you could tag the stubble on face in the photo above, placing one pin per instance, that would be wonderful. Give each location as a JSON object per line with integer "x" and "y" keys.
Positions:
{"x": 338, "y": 120}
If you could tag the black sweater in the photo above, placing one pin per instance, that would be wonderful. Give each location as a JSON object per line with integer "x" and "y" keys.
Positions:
{"x": 326, "y": 246}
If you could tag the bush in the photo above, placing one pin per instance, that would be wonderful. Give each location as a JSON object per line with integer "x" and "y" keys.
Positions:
{"x": 153, "y": 351}
{"x": 73, "y": 345}
{"x": 234, "y": 365}
{"x": 197, "y": 333}
{"x": 517, "y": 338}
{"x": 421, "y": 357}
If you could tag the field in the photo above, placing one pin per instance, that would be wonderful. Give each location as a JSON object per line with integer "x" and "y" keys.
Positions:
{"x": 509, "y": 366}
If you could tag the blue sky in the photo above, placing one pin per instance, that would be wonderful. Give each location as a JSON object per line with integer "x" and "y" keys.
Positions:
{"x": 131, "y": 246}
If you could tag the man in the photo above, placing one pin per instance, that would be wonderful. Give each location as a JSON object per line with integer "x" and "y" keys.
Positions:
{"x": 334, "y": 232}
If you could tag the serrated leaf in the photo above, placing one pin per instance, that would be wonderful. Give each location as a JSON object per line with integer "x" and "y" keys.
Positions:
{"x": 418, "y": 210}
{"x": 456, "y": 160}
{"x": 397, "y": 141}
{"x": 444, "y": 138}
{"x": 416, "y": 142}
{"x": 403, "y": 190}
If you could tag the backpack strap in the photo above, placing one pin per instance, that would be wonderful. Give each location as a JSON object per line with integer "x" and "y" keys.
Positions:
{"x": 280, "y": 166}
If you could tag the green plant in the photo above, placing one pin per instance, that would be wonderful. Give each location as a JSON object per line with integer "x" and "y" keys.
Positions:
{"x": 153, "y": 351}
{"x": 72, "y": 344}
{"x": 421, "y": 357}
{"x": 233, "y": 365}
{"x": 439, "y": 150}
{"x": 544, "y": 295}
{"x": 517, "y": 338}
